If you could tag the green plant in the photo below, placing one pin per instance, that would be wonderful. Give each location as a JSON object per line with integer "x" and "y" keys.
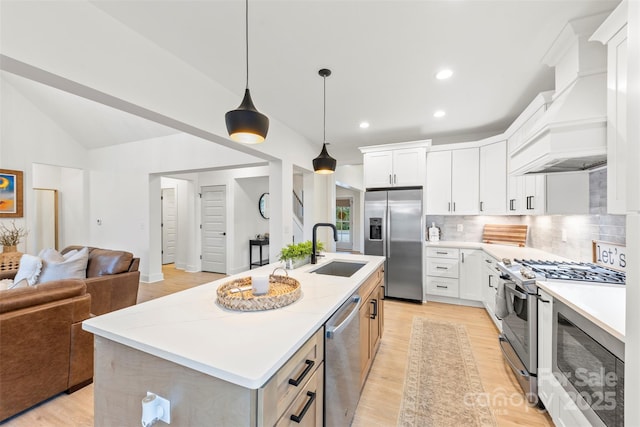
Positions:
{"x": 299, "y": 250}
{"x": 10, "y": 236}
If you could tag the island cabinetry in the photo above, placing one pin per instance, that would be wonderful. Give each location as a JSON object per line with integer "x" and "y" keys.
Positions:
{"x": 452, "y": 182}
{"x": 371, "y": 320}
{"x": 123, "y": 375}
{"x": 394, "y": 168}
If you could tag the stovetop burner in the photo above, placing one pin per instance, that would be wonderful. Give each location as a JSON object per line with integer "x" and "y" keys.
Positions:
{"x": 574, "y": 271}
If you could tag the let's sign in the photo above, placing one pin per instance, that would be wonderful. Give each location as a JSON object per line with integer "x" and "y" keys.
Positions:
{"x": 610, "y": 255}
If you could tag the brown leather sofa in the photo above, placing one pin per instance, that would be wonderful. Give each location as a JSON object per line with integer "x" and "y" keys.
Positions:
{"x": 112, "y": 279}
{"x": 43, "y": 349}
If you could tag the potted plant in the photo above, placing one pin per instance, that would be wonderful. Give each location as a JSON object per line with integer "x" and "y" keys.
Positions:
{"x": 11, "y": 236}
{"x": 298, "y": 254}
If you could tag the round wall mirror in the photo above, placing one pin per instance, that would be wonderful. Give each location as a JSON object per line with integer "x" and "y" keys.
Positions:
{"x": 263, "y": 205}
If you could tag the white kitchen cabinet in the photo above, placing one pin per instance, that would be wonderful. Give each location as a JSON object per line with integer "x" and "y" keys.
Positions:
{"x": 470, "y": 274}
{"x": 395, "y": 168}
{"x": 452, "y": 182}
{"x": 527, "y": 194}
{"x": 493, "y": 178}
{"x": 442, "y": 271}
{"x": 565, "y": 193}
{"x": 490, "y": 277}
{"x": 546, "y": 387}
{"x": 613, "y": 33}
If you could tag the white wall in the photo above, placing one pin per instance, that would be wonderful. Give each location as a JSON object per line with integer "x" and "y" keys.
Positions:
{"x": 27, "y": 136}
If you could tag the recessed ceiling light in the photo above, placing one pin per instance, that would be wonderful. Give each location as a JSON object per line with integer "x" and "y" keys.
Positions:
{"x": 364, "y": 125}
{"x": 439, "y": 113}
{"x": 444, "y": 74}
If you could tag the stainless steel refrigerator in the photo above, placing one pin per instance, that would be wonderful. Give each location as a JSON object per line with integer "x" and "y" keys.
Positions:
{"x": 394, "y": 229}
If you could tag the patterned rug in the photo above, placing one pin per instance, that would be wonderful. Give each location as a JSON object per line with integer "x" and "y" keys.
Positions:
{"x": 442, "y": 386}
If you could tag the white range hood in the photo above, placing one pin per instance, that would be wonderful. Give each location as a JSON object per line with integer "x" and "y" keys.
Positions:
{"x": 571, "y": 134}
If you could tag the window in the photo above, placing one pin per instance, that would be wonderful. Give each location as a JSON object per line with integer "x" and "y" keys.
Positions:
{"x": 344, "y": 224}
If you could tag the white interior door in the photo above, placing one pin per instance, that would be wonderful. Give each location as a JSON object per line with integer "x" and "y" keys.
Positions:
{"x": 169, "y": 225}
{"x": 214, "y": 231}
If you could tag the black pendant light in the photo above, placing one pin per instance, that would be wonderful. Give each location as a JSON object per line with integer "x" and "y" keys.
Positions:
{"x": 246, "y": 124}
{"x": 324, "y": 163}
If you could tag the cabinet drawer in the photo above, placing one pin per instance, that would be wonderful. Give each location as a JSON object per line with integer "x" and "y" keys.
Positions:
{"x": 279, "y": 392}
{"x": 308, "y": 406}
{"x": 442, "y": 253}
{"x": 490, "y": 262}
{"x": 443, "y": 286}
{"x": 442, "y": 267}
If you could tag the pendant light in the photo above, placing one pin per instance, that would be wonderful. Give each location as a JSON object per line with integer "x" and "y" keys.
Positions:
{"x": 324, "y": 163}
{"x": 246, "y": 124}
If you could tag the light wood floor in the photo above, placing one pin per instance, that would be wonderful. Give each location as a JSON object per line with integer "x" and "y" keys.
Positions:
{"x": 382, "y": 394}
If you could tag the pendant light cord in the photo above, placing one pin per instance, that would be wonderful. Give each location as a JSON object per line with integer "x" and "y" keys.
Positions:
{"x": 324, "y": 111}
{"x": 246, "y": 37}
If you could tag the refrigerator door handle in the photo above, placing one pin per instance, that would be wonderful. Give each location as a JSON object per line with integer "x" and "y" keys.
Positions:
{"x": 388, "y": 240}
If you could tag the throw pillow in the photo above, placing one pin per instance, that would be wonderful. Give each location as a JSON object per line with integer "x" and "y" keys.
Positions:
{"x": 29, "y": 269}
{"x": 56, "y": 267}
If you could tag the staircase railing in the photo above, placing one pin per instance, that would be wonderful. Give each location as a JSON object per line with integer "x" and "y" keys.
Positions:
{"x": 298, "y": 208}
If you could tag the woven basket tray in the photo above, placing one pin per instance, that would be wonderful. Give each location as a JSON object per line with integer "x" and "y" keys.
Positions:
{"x": 237, "y": 294}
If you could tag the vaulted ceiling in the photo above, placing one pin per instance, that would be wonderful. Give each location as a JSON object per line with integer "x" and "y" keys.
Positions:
{"x": 383, "y": 54}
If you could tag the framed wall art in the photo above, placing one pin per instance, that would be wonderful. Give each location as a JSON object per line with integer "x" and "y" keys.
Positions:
{"x": 10, "y": 193}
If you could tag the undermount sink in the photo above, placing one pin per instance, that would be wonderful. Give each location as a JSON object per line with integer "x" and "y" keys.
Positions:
{"x": 339, "y": 268}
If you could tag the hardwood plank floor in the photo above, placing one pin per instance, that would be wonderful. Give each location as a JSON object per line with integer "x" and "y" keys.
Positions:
{"x": 382, "y": 394}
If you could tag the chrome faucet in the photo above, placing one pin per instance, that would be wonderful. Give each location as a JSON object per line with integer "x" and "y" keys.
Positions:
{"x": 314, "y": 256}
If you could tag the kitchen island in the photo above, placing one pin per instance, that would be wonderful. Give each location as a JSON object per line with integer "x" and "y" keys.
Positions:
{"x": 216, "y": 366}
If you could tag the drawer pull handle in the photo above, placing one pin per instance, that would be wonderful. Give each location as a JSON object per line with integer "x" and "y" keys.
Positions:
{"x": 298, "y": 418}
{"x": 442, "y": 287}
{"x": 488, "y": 261}
{"x": 442, "y": 253}
{"x": 441, "y": 268}
{"x": 304, "y": 373}
{"x": 373, "y": 315}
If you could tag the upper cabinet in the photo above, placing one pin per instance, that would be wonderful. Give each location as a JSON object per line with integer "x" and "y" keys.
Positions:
{"x": 452, "y": 182}
{"x": 395, "y": 165}
{"x": 493, "y": 178}
{"x": 551, "y": 194}
{"x": 613, "y": 34}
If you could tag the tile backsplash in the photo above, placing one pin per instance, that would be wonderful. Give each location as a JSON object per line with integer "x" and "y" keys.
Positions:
{"x": 545, "y": 231}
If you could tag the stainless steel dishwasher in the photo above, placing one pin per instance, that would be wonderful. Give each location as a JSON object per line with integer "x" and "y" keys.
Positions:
{"x": 342, "y": 364}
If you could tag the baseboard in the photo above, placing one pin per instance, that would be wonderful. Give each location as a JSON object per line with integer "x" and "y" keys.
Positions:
{"x": 456, "y": 301}
{"x": 144, "y": 278}
{"x": 192, "y": 268}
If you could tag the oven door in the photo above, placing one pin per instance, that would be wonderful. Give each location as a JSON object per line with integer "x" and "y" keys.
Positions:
{"x": 589, "y": 363}
{"x": 520, "y": 325}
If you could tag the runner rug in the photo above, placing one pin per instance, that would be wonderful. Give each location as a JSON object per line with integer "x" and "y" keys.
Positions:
{"x": 442, "y": 386}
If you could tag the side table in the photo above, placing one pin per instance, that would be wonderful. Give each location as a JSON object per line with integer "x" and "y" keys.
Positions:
{"x": 259, "y": 243}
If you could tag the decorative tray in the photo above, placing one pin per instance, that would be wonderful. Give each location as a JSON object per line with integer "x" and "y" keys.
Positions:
{"x": 238, "y": 294}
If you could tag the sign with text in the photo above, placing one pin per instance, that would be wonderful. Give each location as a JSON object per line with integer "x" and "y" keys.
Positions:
{"x": 612, "y": 255}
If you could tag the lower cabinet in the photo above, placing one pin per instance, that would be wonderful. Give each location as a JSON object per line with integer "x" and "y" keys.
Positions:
{"x": 490, "y": 277}
{"x": 455, "y": 273}
{"x": 371, "y": 321}
{"x": 307, "y": 407}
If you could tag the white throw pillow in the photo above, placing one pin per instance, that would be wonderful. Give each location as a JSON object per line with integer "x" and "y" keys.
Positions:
{"x": 29, "y": 269}
{"x": 56, "y": 267}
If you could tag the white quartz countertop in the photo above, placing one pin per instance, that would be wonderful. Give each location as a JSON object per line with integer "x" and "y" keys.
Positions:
{"x": 603, "y": 304}
{"x": 245, "y": 348}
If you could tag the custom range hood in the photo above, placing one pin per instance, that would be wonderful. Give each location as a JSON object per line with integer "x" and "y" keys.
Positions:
{"x": 571, "y": 134}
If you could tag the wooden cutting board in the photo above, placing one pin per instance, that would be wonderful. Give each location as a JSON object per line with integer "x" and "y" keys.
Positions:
{"x": 505, "y": 234}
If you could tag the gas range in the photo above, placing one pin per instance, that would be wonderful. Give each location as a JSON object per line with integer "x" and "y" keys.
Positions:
{"x": 527, "y": 272}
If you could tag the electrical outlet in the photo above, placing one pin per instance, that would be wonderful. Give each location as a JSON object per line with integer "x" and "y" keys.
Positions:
{"x": 564, "y": 235}
{"x": 460, "y": 228}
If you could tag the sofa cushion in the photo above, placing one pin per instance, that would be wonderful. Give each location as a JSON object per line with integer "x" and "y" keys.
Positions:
{"x": 29, "y": 269}
{"x": 15, "y": 299}
{"x": 56, "y": 267}
{"x": 103, "y": 262}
